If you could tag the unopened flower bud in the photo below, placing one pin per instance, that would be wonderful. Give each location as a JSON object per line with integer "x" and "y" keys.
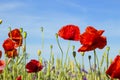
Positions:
{"x": 25, "y": 34}
{"x": 74, "y": 54}
{"x": 56, "y": 35}
{"x": 82, "y": 53}
{"x": 0, "y": 21}
{"x": 39, "y": 52}
{"x": 21, "y": 30}
{"x": 108, "y": 48}
{"x": 9, "y": 28}
{"x": 51, "y": 46}
{"x": 73, "y": 47}
{"x": 41, "y": 29}
{"x": 89, "y": 57}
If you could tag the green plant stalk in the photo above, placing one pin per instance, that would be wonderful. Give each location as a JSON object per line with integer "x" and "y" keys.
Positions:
{"x": 107, "y": 58}
{"x": 95, "y": 60}
{"x": 77, "y": 65}
{"x": 67, "y": 52}
{"x": 60, "y": 50}
{"x": 42, "y": 31}
{"x": 24, "y": 52}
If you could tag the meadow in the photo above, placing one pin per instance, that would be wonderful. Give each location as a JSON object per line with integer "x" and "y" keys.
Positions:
{"x": 16, "y": 67}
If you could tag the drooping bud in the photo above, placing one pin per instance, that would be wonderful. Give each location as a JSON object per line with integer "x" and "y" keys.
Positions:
{"x": 74, "y": 54}
{"x": 89, "y": 57}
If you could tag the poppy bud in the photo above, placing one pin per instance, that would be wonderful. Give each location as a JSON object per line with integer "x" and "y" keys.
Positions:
{"x": 39, "y": 52}
{"x": 89, "y": 57}
{"x": 41, "y": 29}
{"x": 74, "y": 54}
{"x": 0, "y": 21}
{"x": 82, "y": 53}
{"x": 73, "y": 47}
{"x": 108, "y": 48}
{"x": 56, "y": 35}
{"x": 51, "y": 46}
{"x": 9, "y": 28}
{"x": 21, "y": 30}
{"x": 25, "y": 34}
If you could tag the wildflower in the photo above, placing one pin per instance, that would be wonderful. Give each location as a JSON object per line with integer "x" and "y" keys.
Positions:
{"x": 2, "y": 65}
{"x": 69, "y": 32}
{"x": 34, "y": 66}
{"x": 16, "y": 36}
{"x": 92, "y": 39}
{"x": 19, "y": 78}
{"x": 114, "y": 69}
{"x": 9, "y": 47}
{"x": 11, "y": 53}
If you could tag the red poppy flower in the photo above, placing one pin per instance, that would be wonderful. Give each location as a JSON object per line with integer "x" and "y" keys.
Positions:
{"x": 2, "y": 65}
{"x": 16, "y": 36}
{"x": 19, "y": 78}
{"x": 8, "y": 45}
{"x": 92, "y": 39}
{"x": 34, "y": 66}
{"x": 11, "y": 53}
{"x": 114, "y": 69}
{"x": 69, "y": 32}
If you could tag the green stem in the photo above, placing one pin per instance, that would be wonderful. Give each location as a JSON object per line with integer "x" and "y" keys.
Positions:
{"x": 59, "y": 48}
{"x": 83, "y": 61}
{"x": 99, "y": 74}
{"x": 77, "y": 65}
{"x": 42, "y": 39}
{"x": 24, "y": 52}
{"x": 67, "y": 52}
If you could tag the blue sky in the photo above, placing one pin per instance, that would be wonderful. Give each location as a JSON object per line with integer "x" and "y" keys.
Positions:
{"x": 53, "y": 14}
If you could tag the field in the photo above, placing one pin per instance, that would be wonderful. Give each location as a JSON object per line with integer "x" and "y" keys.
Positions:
{"x": 16, "y": 67}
